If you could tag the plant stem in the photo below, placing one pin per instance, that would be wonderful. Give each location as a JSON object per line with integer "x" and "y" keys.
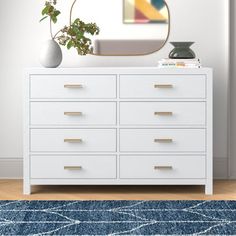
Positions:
{"x": 55, "y": 35}
{"x": 71, "y": 11}
{"x": 51, "y": 28}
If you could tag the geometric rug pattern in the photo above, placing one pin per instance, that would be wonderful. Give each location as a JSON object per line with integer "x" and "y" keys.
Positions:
{"x": 117, "y": 218}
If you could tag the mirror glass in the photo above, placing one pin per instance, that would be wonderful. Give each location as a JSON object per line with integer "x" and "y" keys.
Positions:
{"x": 127, "y": 27}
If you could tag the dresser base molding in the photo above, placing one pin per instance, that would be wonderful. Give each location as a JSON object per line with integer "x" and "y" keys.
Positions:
{"x": 152, "y": 182}
{"x": 118, "y": 126}
{"x": 118, "y": 182}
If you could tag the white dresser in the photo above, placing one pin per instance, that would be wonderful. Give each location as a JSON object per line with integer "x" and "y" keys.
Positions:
{"x": 118, "y": 126}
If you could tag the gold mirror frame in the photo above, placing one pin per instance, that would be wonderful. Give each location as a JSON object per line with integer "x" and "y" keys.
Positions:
{"x": 145, "y": 54}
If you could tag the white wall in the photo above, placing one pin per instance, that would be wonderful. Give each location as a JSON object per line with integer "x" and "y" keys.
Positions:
{"x": 203, "y": 21}
{"x": 232, "y": 162}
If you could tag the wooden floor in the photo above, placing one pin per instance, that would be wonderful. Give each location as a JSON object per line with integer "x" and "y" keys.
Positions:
{"x": 12, "y": 190}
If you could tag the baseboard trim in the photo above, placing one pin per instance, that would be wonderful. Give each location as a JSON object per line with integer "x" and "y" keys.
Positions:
{"x": 12, "y": 168}
{"x": 220, "y": 168}
{"x": 232, "y": 176}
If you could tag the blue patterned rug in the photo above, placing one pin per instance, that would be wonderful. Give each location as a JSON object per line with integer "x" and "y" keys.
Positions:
{"x": 118, "y": 217}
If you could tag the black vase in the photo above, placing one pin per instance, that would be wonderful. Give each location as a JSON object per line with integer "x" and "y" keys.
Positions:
{"x": 182, "y": 50}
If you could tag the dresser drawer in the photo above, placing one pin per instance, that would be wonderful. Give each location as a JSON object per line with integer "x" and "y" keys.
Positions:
{"x": 165, "y": 167}
{"x": 73, "y": 140}
{"x": 162, "y": 86}
{"x": 70, "y": 167}
{"x": 162, "y": 140}
{"x": 73, "y": 113}
{"x": 73, "y": 86}
{"x": 163, "y": 113}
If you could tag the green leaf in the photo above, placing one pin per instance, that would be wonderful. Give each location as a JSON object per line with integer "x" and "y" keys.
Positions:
{"x": 70, "y": 44}
{"x": 71, "y": 32}
{"x": 77, "y": 21}
{"x": 43, "y": 18}
{"x": 80, "y": 35}
{"x": 45, "y": 10}
{"x": 54, "y": 19}
{"x": 51, "y": 9}
{"x": 56, "y": 13}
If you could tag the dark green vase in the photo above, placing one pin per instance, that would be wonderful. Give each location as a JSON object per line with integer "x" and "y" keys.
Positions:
{"x": 182, "y": 50}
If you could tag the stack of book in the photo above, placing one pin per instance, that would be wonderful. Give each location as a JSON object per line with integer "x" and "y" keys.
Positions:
{"x": 179, "y": 63}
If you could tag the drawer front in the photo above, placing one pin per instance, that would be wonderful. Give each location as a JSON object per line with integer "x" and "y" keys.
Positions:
{"x": 73, "y": 86}
{"x": 70, "y": 167}
{"x": 162, "y": 140}
{"x": 162, "y": 86}
{"x": 73, "y": 140}
{"x": 165, "y": 167}
{"x": 162, "y": 113}
{"x": 73, "y": 113}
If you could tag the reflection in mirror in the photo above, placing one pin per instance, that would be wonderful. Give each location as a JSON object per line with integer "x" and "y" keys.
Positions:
{"x": 127, "y": 27}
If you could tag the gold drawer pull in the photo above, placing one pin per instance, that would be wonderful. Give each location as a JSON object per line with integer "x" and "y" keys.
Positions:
{"x": 163, "y": 86}
{"x": 69, "y": 113}
{"x": 163, "y": 167}
{"x": 73, "y": 86}
{"x": 72, "y": 167}
{"x": 163, "y": 113}
{"x": 73, "y": 140}
{"x": 163, "y": 140}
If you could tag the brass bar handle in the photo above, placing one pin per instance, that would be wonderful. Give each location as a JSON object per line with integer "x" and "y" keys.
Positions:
{"x": 163, "y": 86}
{"x": 73, "y": 140}
{"x": 163, "y": 167}
{"x": 70, "y": 113}
{"x": 163, "y": 140}
{"x": 163, "y": 113}
{"x": 73, "y": 86}
{"x": 72, "y": 167}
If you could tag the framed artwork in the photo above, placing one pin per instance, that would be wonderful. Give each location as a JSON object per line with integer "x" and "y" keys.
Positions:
{"x": 145, "y": 11}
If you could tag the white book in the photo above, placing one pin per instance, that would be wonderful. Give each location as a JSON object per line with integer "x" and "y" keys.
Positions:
{"x": 179, "y": 66}
{"x": 180, "y": 60}
{"x": 179, "y": 63}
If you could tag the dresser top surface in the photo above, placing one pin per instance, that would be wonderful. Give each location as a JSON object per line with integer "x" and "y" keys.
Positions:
{"x": 117, "y": 70}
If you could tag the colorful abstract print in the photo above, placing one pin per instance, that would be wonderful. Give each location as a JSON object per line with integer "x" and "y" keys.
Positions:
{"x": 145, "y": 11}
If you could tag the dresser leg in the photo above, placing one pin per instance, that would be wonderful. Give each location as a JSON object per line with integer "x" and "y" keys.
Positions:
{"x": 27, "y": 189}
{"x": 209, "y": 189}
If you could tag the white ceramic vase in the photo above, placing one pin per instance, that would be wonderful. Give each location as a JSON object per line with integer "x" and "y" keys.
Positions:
{"x": 50, "y": 54}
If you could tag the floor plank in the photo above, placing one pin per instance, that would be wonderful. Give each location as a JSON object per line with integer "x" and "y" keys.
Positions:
{"x": 12, "y": 190}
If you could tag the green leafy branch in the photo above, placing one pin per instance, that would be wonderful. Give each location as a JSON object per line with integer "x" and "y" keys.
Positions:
{"x": 76, "y": 34}
{"x": 50, "y": 11}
